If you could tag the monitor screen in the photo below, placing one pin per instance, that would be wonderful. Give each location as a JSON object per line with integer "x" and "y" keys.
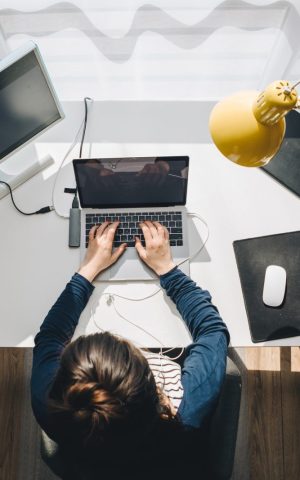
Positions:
{"x": 132, "y": 182}
{"x": 27, "y": 104}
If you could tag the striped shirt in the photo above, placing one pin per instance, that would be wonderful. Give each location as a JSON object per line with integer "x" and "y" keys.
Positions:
{"x": 167, "y": 374}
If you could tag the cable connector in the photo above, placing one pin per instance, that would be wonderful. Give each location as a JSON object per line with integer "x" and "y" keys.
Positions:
{"x": 75, "y": 203}
{"x": 45, "y": 210}
{"x": 70, "y": 190}
{"x": 110, "y": 299}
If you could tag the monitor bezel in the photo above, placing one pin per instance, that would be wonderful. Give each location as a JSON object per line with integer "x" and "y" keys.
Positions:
{"x": 77, "y": 161}
{"x": 14, "y": 57}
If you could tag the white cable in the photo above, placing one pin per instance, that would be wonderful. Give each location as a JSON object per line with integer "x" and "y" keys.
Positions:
{"x": 170, "y": 350}
{"x": 192, "y": 214}
{"x": 134, "y": 299}
{"x": 134, "y": 324}
{"x": 126, "y": 320}
{"x": 180, "y": 263}
{"x": 161, "y": 352}
{"x": 112, "y": 295}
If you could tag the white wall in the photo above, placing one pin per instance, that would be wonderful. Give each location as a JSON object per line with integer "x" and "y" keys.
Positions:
{"x": 166, "y": 50}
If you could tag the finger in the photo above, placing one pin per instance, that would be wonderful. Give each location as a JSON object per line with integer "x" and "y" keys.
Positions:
{"x": 118, "y": 252}
{"x": 146, "y": 232}
{"x": 139, "y": 247}
{"x": 163, "y": 166}
{"x": 160, "y": 229}
{"x": 102, "y": 228}
{"x": 166, "y": 232}
{"x": 152, "y": 228}
{"x": 92, "y": 232}
{"x": 111, "y": 231}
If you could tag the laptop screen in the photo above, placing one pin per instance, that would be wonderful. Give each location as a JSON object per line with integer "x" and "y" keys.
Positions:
{"x": 132, "y": 182}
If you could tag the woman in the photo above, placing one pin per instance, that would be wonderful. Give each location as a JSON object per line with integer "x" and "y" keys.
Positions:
{"x": 100, "y": 394}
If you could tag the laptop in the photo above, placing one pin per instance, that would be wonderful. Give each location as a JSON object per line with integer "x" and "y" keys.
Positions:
{"x": 132, "y": 190}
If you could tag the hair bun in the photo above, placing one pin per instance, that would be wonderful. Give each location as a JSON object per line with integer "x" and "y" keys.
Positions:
{"x": 82, "y": 396}
{"x": 91, "y": 400}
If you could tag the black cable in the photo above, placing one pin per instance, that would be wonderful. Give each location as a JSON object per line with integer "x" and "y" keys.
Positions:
{"x": 50, "y": 208}
{"x": 41, "y": 210}
{"x": 85, "y": 123}
{"x": 86, "y": 99}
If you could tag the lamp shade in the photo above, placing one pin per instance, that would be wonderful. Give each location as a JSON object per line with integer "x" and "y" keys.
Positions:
{"x": 248, "y": 127}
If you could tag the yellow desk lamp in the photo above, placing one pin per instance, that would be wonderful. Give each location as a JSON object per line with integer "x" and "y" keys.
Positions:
{"x": 248, "y": 127}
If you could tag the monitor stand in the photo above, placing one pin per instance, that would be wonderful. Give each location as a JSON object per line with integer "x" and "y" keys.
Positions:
{"x": 20, "y": 167}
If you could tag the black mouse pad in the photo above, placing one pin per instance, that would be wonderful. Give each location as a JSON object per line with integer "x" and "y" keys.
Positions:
{"x": 285, "y": 165}
{"x": 253, "y": 255}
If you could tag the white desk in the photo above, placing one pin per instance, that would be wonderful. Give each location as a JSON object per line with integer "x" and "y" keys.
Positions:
{"x": 236, "y": 202}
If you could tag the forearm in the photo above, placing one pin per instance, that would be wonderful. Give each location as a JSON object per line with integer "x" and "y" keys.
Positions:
{"x": 62, "y": 319}
{"x": 194, "y": 304}
{"x": 205, "y": 363}
{"x": 55, "y": 332}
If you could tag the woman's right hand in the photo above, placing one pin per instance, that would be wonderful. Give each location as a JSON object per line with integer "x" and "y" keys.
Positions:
{"x": 157, "y": 253}
{"x": 100, "y": 254}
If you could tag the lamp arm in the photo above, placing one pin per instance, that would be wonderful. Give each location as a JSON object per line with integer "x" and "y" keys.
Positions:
{"x": 295, "y": 85}
{"x": 297, "y": 106}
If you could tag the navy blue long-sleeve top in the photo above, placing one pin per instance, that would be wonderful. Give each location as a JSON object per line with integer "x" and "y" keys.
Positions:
{"x": 204, "y": 366}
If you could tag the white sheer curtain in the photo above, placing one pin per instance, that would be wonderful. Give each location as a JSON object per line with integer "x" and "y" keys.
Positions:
{"x": 166, "y": 50}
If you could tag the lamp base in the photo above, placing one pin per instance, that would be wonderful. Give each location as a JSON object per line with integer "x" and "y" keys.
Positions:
{"x": 14, "y": 180}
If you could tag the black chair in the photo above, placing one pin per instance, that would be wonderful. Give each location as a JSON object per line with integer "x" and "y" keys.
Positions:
{"x": 221, "y": 440}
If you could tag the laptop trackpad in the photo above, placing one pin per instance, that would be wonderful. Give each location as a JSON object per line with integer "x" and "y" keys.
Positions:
{"x": 130, "y": 267}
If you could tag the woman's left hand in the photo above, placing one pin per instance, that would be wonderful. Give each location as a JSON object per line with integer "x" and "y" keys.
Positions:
{"x": 99, "y": 254}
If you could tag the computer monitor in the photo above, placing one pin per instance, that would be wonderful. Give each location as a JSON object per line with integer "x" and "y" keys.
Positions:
{"x": 28, "y": 102}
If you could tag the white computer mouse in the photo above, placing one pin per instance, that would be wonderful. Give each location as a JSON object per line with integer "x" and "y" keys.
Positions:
{"x": 274, "y": 286}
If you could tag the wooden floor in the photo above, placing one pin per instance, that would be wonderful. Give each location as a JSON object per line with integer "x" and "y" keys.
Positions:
{"x": 11, "y": 390}
{"x": 268, "y": 446}
{"x": 269, "y": 437}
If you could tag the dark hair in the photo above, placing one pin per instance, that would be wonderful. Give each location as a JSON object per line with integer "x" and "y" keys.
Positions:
{"x": 104, "y": 393}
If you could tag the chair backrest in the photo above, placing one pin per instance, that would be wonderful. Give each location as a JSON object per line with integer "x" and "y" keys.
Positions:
{"x": 224, "y": 425}
{"x": 221, "y": 437}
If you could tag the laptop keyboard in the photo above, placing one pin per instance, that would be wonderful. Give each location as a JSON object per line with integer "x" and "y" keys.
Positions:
{"x": 129, "y": 228}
